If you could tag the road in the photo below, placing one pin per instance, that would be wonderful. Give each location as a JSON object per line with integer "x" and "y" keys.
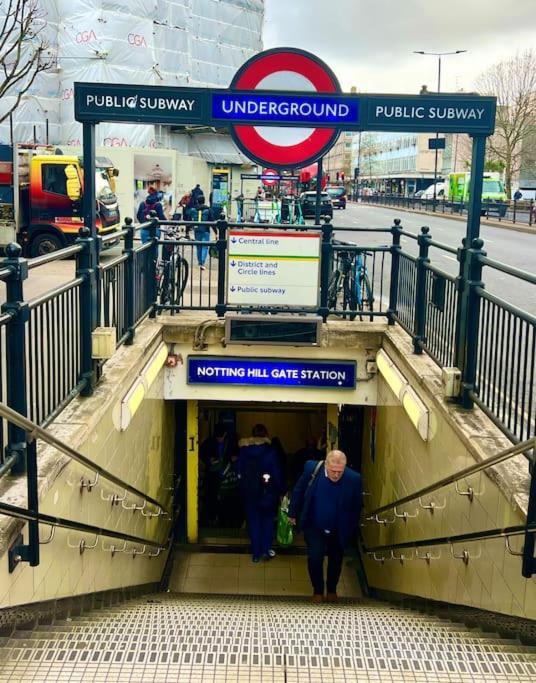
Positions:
{"x": 513, "y": 248}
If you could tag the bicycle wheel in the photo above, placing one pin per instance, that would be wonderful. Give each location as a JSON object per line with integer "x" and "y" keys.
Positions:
{"x": 333, "y": 289}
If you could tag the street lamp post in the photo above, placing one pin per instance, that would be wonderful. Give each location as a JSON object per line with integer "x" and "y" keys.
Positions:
{"x": 438, "y": 55}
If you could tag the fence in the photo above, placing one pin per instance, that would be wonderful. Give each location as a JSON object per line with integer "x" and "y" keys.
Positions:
{"x": 515, "y": 211}
{"x": 45, "y": 343}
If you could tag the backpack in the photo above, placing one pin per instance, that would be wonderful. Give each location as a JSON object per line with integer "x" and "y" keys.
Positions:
{"x": 143, "y": 210}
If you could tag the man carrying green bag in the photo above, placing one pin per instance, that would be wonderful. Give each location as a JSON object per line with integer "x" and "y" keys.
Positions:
{"x": 285, "y": 532}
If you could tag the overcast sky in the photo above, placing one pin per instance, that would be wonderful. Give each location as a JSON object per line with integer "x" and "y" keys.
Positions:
{"x": 369, "y": 43}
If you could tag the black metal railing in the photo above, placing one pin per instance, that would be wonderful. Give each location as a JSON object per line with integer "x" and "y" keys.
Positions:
{"x": 45, "y": 343}
{"x": 521, "y": 212}
{"x": 505, "y": 379}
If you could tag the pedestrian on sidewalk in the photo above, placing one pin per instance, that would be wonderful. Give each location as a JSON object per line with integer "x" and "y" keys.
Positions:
{"x": 200, "y": 213}
{"x": 326, "y": 502}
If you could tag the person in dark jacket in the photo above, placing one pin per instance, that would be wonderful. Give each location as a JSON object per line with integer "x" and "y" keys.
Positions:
{"x": 151, "y": 203}
{"x": 326, "y": 502}
{"x": 263, "y": 486}
{"x": 214, "y": 453}
{"x": 200, "y": 212}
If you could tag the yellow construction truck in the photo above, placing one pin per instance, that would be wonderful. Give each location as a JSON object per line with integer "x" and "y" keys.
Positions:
{"x": 41, "y": 197}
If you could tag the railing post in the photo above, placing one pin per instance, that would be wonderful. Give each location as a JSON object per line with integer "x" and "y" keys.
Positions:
{"x": 151, "y": 275}
{"x": 529, "y": 561}
{"x": 471, "y": 308}
{"x": 325, "y": 268}
{"x": 86, "y": 268}
{"x": 419, "y": 321}
{"x": 16, "y": 353}
{"x": 396, "y": 231}
{"x": 221, "y": 245}
{"x": 130, "y": 299}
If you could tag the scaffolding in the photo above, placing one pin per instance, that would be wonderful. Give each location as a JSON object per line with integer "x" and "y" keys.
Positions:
{"x": 155, "y": 42}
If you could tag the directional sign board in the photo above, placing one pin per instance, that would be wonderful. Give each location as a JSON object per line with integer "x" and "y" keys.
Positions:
{"x": 273, "y": 268}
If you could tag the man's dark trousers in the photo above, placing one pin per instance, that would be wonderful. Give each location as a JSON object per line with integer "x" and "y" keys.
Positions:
{"x": 319, "y": 544}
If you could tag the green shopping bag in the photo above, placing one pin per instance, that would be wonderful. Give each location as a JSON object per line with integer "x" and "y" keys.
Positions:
{"x": 285, "y": 531}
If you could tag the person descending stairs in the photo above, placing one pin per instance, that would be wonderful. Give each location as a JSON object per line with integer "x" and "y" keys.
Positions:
{"x": 180, "y": 637}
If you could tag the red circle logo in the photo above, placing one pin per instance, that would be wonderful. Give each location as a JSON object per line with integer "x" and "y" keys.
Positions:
{"x": 291, "y": 70}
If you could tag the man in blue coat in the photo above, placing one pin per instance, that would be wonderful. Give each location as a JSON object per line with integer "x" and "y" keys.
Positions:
{"x": 326, "y": 501}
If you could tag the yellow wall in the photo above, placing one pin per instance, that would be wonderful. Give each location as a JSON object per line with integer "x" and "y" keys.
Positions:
{"x": 142, "y": 455}
{"x": 403, "y": 464}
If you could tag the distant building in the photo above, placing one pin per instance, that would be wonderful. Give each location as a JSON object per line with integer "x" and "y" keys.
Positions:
{"x": 400, "y": 163}
{"x": 338, "y": 161}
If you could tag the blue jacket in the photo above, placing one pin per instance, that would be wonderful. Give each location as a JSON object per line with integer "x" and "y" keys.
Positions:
{"x": 349, "y": 508}
{"x": 152, "y": 203}
{"x": 260, "y": 472}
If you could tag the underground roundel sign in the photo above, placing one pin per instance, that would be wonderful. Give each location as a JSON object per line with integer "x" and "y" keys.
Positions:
{"x": 291, "y": 70}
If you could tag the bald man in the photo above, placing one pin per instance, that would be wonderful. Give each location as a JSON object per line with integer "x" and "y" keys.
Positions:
{"x": 326, "y": 502}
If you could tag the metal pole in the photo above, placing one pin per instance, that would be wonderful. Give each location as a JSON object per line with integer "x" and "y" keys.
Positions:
{"x": 436, "y": 135}
{"x": 318, "y": 192}
{"x": 16, "y": 352}
{"x": 222, "y": 227}
{"x": 475, "y": 188}
{"x": 396, "y": 231}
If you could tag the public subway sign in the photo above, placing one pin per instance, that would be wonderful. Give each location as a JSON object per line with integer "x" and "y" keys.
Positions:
{"x": 272, "y": 372}
{"x": 284, "y": 109}
{"x": 273, "y": 268}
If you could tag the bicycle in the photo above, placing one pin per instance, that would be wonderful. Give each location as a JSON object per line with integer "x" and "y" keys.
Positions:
{"x": 351, "y": 279}
{"x": 172, "y": 270}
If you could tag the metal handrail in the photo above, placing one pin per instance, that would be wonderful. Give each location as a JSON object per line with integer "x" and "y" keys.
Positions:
{"x": 35, "y": 431}
{"x": 111, "y": 236}
{"x": 31, "y": 516}
{"x": 33, "y": 303}
{"x": 509, "y": 270}
{"x": 54, "y": 256}
{"x": 458, "y": 538}
{"x": 461, "y": 474}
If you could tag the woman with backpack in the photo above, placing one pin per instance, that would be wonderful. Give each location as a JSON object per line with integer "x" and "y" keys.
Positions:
{"x": 263, "y": 486}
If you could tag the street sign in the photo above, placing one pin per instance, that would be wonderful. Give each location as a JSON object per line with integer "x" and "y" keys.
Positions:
{"x": 284, "y": 69}
{"x": 436, "y": 143}
{"x": 271, "y": 372}
{"x": 270, "y": 177}
{"x": 278, "y": 268}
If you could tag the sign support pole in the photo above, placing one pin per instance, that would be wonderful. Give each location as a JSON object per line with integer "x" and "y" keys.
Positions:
{"x": 475, "y": 188}
{"x": 319, "y": 175}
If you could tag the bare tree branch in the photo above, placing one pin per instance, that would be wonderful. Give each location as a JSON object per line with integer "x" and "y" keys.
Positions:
{"x": 513, "y": 82}
{"x": 24, "y": 51}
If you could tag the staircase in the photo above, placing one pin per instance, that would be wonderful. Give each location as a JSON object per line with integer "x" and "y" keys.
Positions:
{"x": 222, "y": 638}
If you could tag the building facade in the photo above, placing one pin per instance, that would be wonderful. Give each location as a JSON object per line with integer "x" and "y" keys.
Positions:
{"x": 399, "y": 163}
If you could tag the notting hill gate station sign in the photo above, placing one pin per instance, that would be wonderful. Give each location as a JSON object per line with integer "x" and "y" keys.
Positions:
{"x": 285, "y": 88}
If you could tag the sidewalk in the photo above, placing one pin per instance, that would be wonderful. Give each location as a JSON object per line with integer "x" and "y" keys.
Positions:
{"x": 508, "y": 225}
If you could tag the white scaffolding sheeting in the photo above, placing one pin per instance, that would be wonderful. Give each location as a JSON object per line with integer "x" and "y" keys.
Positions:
{"x": 153, "y": 42}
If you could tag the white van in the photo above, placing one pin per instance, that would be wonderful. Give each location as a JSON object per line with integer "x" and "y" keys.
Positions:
{"x": 441, "y": 191}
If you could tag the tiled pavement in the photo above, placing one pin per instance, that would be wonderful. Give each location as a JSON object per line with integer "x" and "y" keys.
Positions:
{"x": 226, "y": 638}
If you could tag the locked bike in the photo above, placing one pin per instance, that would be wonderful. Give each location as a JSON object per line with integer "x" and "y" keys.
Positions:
{"x": 172, "y": 269}
{"x": 349, "y": 290}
